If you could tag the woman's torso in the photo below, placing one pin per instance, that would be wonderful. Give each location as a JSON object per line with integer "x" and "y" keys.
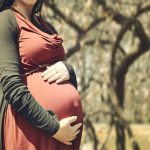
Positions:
{"x": 37, "y": 48}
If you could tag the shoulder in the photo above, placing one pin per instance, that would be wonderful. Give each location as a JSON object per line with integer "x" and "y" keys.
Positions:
{"x": 5, "y": 15}
{"x": 8, "y": 20}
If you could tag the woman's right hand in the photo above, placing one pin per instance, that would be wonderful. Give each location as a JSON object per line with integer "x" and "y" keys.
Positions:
{"x": 67, "y": 132}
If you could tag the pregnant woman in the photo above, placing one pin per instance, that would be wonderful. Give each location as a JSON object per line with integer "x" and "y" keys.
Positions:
{"x": 40, "y": 108}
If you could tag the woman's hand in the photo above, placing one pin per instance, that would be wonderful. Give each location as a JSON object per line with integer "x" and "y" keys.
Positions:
{"x": 66, "y": 133}
{"x": 56, "y": 72}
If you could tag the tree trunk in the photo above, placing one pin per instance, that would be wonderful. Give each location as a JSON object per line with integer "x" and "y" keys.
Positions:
{"x": 120, "y": 140}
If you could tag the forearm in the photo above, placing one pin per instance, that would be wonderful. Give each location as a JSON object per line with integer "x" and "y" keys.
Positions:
{"x": 20, "y": 98}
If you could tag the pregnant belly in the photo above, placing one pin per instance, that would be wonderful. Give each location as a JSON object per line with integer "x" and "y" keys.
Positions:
{"x": 63, "y": 98}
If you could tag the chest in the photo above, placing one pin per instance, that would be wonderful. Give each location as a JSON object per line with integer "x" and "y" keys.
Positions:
{"x": 39, "y": 48}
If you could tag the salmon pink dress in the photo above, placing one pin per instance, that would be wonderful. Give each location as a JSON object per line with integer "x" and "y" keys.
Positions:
{"x": 36, "y": 49}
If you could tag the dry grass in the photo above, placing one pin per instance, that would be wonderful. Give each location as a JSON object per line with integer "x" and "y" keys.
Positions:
{"x": 141, "y": 132}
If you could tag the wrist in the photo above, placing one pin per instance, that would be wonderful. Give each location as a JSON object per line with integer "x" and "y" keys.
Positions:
{"x": 55, "y": 124}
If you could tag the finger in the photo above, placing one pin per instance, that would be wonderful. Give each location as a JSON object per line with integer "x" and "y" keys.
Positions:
{"x": 49, "y": 69}
{"x": 61, "y": 67}
{"x": 66, "y": 74}
{"x": 71, "y": 139}
{"x": 62, "y": 79}
{"x": 58, "y": 66}
{"x": 72, "y": 119}
{"x": 55, "y": 77}
{"x": 77, "y": 132}
{"x": 52, "y": 67}
{"x": 75, "y": 127}
{"x": 49, "y": 75}
{"x": 68, "y": 143}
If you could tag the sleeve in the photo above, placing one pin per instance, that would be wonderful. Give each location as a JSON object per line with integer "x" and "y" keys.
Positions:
{"x": 72, "y": 74}
{"x": 13, "y": 88}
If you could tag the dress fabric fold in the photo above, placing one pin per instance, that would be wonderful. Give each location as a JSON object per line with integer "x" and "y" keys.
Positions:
{"x": 37, "y": 48}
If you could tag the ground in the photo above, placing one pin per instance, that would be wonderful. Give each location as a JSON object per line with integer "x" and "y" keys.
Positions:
{"x": 141, "y": 132}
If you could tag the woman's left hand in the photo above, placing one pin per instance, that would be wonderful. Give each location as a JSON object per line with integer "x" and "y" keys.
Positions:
{"x": 56, "y": 72}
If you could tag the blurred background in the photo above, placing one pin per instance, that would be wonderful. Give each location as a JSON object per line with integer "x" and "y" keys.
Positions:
{"x": 108, "y": 44}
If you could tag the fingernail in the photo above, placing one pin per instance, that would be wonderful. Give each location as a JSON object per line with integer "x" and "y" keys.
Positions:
{"x": 49, "y": 80}
{"x": 57, "y": 82}
{"x": 75, "y": 117}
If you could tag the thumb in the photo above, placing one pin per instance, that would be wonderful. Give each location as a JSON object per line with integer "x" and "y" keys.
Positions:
{"x": 47, "y": 67}
{"x": 72, "y": 119}
{"x": 59, "y": 80}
